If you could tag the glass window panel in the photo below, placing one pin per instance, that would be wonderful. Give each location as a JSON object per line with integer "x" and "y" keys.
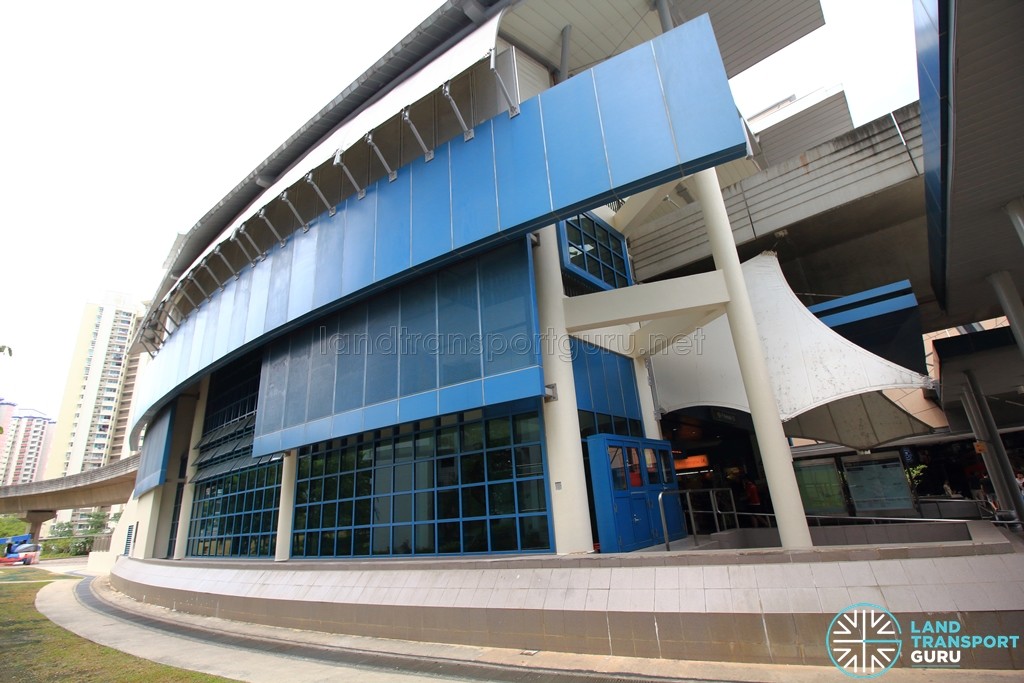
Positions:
{"x": 363, "y": 507}
{"x": 602, "y": 235}
{"x": 668, "y": 467}
{"x": 385, "y": 453}
{"x": 593, "y": 266}
{"x": 312, "y": 543}
{"x": 533, "y": 532}
{"x": 298, "y": 544}
{"x": 474, "y": 501}
{"x": 501, "y": 499}
{"x": 331, "y": 487}
{"x": 604, "y": 424}
{"x": 503, "y": 534}
{"x": 447, "y": 472}
{"x": 449, "y": 537}
{"x": 345, "y": 513}
{"x": 301, "y": 513}
{"x": 382, "y": 510}
{"x": 499, "y": 464}
{"x": 425, "y": 445}
{"x": 472, "y": 436}
{"x": 424, "y": 506}
{"x": 343, "y": 542}
{"x": 617, "y": 464}
{"x": 620, "y": 426}
{"x": 529, "y": 462}
{"x": 333, "y": 463}
{"x": 403, "y": 508}
{"x": 348, "y": 459}
{"x": 327, "y": 544}
{"x": 620, "y": 280}
{"x": 448, "y": 441}
{"x": 361, "y": 542}
{"x": 618, "y": 262}
{"x": 448, "y": 504}
{"x": 576, "y": 257}
{"x": 418, "y": 363}
{"x": 424, "y": 538}
{"x": 318, "y": 466}
{"x": 313, "y": 517}
{"x": 499, "y": 433}
{"x": 526, "y": 428}
{"x": 403, "y": 477}
{"x": 382, "y": 480}
{"x": 382, "y": 347}
{"x": 381, "y": 540}
{"x": 304, "y": 468}
{"x": 404, "y": 449}
{"x": 573, "y": 233}
{"x": 472, "y": 467}
{"x": 653, "y": 469}
{"x": 346, "y": 486}
{"x": 474, "y": 536}
{"x": 636, "y": 428}
{"x": 588, "y": 423}
{"x": 633, "y": 465}
{"x": 365, "y": 458}
{"x": 604, "y": 253}
{"x": 401, "y": 542}
{"x": 424, "y": 475}
{"x": 531, "y": 496}
{"x": 458, "y": 324}
{"x": 329, "y": 515}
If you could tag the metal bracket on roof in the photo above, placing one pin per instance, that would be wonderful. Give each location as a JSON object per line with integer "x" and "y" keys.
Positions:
{"x": 446, "y": 91}
{"x": 262, "y": 254}
{"x": 184, "y": 293}
{"x": 263, "y": 214}
{"x": 316, "y": 188}
{"x": 167, "y": 332}
{"x": 513, "y": 107}
{"x": 231, "y": 268}
{"x": 192, "y": 279}
{"x": 392, "y": 175}
{"x": 304, "y": 224}
{"x": 149, "y": 349}
{"x": 428, "y": 154}
{"x": 173, "y": 308}
{"x": 338, "y": 161}
{"x": 206, "y": 264}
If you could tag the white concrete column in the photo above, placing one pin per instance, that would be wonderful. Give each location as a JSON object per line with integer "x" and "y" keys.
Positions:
{"x": 1009, "y": 299}
{"x": 570, "y": 510}
{"x": 983, "y": 424}
{"x": 771, "y": 440}
{"x": 189, "y": 490}
{"x": 286, "y": 507}
{"x": 1015, "y": 209}
{"x": 646, "y": 390}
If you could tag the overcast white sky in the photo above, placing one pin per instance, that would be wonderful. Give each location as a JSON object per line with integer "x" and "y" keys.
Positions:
{"x": 122, "y": 123}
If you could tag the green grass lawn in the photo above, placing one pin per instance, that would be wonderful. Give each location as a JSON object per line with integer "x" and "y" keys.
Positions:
{"x": 34, "y": 649}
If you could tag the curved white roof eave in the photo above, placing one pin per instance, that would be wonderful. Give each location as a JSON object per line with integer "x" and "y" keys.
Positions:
{"x": 460, "y": 57}
{"x": 809, "y": 366}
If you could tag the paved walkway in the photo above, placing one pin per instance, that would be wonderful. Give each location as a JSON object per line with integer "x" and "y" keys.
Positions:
{"x": 250, "y": 652}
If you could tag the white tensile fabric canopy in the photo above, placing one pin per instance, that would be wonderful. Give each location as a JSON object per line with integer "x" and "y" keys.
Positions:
{"x": 827, "y": 388}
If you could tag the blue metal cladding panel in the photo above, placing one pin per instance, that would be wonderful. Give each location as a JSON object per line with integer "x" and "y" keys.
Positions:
{"x": 301, "y": 285}
{"x": 703, "y": 121}
{"x": 330, "y": 243}
{"x": 239, "y": 308}
{"x": 198, "y": 334}
{"x": 280, "y": 258}
{"x": 521, "y": 166}
{"x": 360, "y": 229}
{"x": 636, "y": 128}
{"x": 223, "y": 334}
{"x": 273, "y": 386}
{"x": 156, "y": 451}
{"x": 575, "y": 143}
{"x": 605, "y": 381}
{"x": 506, "y": 306}
{"x": 474, "y": 194}
{"x": 258, "y": 295}
{"x": 211, "y": 315}
{"x": 597, "y": 144}
{"x": 393, "y": 221}
{"x": 431, "y": 207}
{"x": 458, "y": 322}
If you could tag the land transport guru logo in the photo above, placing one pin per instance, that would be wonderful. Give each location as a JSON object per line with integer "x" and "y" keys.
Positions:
{"x": 866, "y": 640}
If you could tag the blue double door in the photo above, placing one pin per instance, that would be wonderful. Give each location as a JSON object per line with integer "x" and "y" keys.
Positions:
{"x": 627, "y": 477}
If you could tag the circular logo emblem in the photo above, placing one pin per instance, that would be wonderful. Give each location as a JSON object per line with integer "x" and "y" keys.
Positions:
{"x": 864, "y": 641}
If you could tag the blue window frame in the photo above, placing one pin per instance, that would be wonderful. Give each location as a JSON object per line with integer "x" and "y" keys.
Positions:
{"x": 469, "y": 482}
{"x": 594, "y": 252}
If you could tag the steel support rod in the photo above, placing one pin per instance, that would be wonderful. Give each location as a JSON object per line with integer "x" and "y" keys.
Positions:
{"x": 392, "y": 175}
{"x": 1009, "y": 300}
{"x": 513, "y": 107}
{"x": 1009, "y": 493}
{"x": 263, "y": 254}
{"x": 446, "y": 91}
{"x": 338, "y": 161}
{"x": 563, "y": 64}
{"x": 295, "y": 212}
{"x": 428, "y": 154}
{"x": 316, "y": 188}
{"x": 227, "y": 263}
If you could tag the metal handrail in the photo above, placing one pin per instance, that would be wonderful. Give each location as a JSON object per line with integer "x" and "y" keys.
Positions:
{"x": 689, "y": 506}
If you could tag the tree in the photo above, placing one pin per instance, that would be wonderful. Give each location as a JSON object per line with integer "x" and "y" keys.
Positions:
{"x": 62, "y": 530}
{"x": 96, "y": 523}
{"x": 12, "y": 526}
